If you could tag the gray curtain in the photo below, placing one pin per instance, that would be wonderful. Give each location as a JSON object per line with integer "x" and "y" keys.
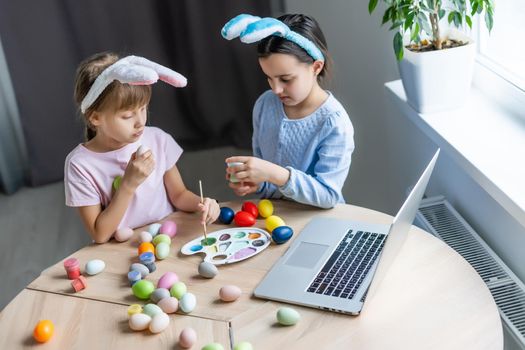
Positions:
{"x": 45, "y": 40}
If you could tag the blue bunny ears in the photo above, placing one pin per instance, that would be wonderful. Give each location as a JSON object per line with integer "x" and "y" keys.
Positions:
{"x": 251, "y": 29}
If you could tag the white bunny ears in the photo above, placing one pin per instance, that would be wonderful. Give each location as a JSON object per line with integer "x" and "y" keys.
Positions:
{"x": 132, "y": 70}
{"x": 250, "y": 29}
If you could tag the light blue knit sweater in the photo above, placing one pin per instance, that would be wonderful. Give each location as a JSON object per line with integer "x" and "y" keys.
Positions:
{"x": 316, "y": 149}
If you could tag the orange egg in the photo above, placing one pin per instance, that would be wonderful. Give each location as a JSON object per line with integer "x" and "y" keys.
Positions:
{"x": 43, "y": 331}
{"x": 146, "y": 247}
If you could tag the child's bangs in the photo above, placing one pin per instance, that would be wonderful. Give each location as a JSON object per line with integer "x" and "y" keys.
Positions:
{"x": 128, "y": 97}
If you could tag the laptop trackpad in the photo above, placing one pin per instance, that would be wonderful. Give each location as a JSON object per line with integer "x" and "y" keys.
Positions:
{"x": 306, "y": 255}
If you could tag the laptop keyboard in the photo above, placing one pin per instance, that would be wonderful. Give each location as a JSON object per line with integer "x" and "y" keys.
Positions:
{"x": 343, "y": 273}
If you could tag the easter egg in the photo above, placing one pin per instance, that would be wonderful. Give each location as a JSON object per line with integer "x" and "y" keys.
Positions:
{"x": 140, "y": 268}
{"x": 146, "y": 247}
{"x": 272, "y": 222}
{"x": 139, "y": 322}
{"x": 123, "y": 234}
{"x": 167, "y": 280}
{"x": 244, "y": 219}
{"x": 141, "y": 150}
{"x": 159, "y": 294}
{"x": 169, "y": 305}
{"x": 154, "y": 229}
{"x": 159, "y": 322}
{"x": 145, "y": 236}
{"x": 116, "y": 182}
{"x": 226, "y": 215}
{"x": 188, "y": 302}
{"x": 251, "y": 208}
{"x": 43, "y": 331}
{"x": 207, "y": 269}
{"x": 151, "y": 310}
{"x": 94, "y": 266}
{"x": 287, "y": 316}
{"x": 134, "y": 309}
{"x": 162, "y": 238}
{"x": 187, "y": 338}
{"x": 213, "y": 346}
{"x": 230, "y": 293}
{"x": 168, "y": 228}
{"x": 265, "y": 208}
{"x": 244, "y": 345}
{"x": 178, "y": 290}
{"x": 282, "y": 234}
{"x": 143, "y": 289}
{"x": 162, "y": 250}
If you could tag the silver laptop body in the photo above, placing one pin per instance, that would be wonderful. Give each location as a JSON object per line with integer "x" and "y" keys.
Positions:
{"x": 333, "y": 262}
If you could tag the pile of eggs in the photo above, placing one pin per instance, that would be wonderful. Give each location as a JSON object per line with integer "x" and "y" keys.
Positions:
{"x": 157, "y": 239}
{"x": 248, "y": 214}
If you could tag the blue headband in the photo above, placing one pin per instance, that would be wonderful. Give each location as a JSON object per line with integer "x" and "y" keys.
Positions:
{"x": 251, "y": 29}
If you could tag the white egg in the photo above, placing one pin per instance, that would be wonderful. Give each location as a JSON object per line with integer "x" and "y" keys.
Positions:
{"x": 123, "y": 234}
{"x": 95, "y": 266}
{"x": 159, "y": 323}
{"x": 145, "y": 236}
{"x": 141, "y": 150}
{"x": 139, "y": 322}
{"x": 207, "y": 269}
{"x": 188, "y": 302}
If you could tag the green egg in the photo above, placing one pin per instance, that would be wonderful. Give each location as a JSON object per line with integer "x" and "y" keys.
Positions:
{"x": 287, "y": 316}
{"x": 162, "y": 250}
{"x": 116, "y": 182}
{"x": 151, "y": 310}
{"x": 213, "y": 346}
{"x": 142, "y": 289}
{"x": 161, "y": 238}
{"x": 244, "y": 345}
{"x": 178, "y": 290}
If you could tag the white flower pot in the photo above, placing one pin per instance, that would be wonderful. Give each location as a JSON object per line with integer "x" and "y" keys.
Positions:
{"x": 439, "y": 80}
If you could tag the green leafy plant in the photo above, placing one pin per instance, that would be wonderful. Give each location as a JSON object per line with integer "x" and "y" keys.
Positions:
{"x": 420, "y": 17}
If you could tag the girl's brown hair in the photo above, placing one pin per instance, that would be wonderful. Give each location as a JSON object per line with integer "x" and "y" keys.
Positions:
{"x": 115, "y": 97}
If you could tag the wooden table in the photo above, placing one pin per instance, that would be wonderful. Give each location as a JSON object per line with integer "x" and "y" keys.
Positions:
{"x": 431, "y": 298}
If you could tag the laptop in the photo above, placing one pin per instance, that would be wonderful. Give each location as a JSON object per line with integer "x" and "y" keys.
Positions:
{"x": 333, "y": 262}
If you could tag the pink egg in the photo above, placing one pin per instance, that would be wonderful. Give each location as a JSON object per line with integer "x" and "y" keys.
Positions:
{"x": 230, "y": 293}
{"x": 168, "y": 280}
{"x": 169, "y": 228}
{"x": 169, "y": 305}
{"x": 187, "y": 338}
{"x": 123, "y": 234}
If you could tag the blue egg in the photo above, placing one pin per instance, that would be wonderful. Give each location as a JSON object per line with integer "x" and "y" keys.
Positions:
{"x": 226, "y": 215}
{"x": 281, "y": 234}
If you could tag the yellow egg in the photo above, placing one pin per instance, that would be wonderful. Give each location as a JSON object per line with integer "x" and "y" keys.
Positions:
{"x": 265, "y": 208}
{"x": 274, "y": 221}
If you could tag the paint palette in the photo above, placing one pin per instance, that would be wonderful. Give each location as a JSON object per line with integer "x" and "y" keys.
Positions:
{"x": 229, "y": 245}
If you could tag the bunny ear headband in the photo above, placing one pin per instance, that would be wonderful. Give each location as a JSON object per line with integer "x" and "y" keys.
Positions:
{"x": 252, "y": 28}
{"x": 131, "y": 70}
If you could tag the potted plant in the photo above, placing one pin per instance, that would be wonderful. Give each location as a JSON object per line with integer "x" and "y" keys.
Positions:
{"x": 435, "y": 67}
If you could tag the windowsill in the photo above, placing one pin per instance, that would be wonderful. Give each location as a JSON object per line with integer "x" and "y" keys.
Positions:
{"x": 487, "y": 141}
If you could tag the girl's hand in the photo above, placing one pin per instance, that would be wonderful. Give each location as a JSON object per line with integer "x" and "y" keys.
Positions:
{"x": 244, "y": 188}
{"x": 138, "y": 169}
{"x": 210, "y": 210}
{"x": 255, "y": 170}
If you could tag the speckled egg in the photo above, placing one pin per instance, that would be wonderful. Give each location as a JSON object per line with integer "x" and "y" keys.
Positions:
{"x": 159, "y": 322}
{"x": 159, "y": 294}
{"x": 187, "y": 338}
{"x": 168, "y": 228}
{"x": 287, "y": 316}
{"x": 188, "y": 302}
{"x": 244, "y": 345}
{"x": 265, "y": 207}
{"x": 142, "y": 289}
{"x": 162, "y": 250}
{"x": 169, "y": 305}
{"x": 140, "y": 268}
{"x": 145, "y": 236}
{"x": 178, "y": 290}
{"x": 207, "y": 269}
{"x": 139, "y": 322}
{"x": 123, "y": 234}
{"x": 167, "y": 280}
{"x": 213, "y": 346}
{"x": 272, "y": 222}
{"x": 161, "y": 237}
{"x": 230, "y": 293}
{"x": 153, "y": 229}
{"x": 95, "y": 266}
{"x": 282, "y": 234}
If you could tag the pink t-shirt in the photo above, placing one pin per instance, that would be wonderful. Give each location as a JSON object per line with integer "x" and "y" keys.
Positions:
{"x": 88, "y": 177}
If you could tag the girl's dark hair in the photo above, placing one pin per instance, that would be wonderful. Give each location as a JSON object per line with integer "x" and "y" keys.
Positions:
{"x": 307, "y": 27}
{"x": 115, "y": 97}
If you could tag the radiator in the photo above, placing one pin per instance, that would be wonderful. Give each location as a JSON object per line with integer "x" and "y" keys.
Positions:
{"x": 438, "y": 217}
